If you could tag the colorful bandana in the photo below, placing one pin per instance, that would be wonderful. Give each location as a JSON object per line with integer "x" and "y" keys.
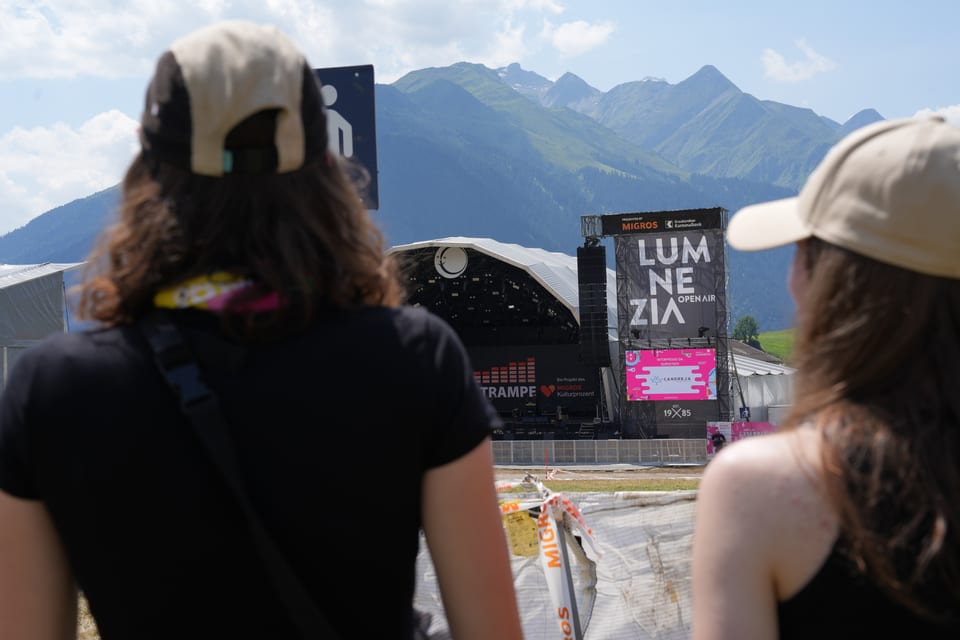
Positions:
{"x": 211, "y": 293}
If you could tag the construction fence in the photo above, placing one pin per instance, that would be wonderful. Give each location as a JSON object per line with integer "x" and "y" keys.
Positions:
{"x": 653, "y": 452}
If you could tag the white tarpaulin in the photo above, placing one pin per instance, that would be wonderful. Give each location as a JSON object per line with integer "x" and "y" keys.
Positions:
{"x": 642, "y": 570}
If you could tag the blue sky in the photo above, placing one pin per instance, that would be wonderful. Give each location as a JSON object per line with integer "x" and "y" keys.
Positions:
{"x": 73, "y": 72}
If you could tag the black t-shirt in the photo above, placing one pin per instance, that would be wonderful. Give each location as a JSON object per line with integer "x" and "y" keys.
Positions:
{"x": 334, "y": 429}
{"x": 839, "y": 602}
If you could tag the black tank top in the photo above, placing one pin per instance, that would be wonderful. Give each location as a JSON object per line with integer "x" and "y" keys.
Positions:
{"x": 841, "y": 603}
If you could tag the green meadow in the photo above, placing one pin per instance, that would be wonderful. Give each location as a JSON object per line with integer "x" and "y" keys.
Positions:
{"x": 778, "y": 343}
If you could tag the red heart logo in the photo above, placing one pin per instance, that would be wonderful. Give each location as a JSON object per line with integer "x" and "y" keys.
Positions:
{"x": 547, "y": 390}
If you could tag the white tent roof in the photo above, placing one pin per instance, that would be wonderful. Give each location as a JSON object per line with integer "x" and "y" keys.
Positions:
{"x": 747, "y": 366}
{"x": 11, "y": 274}
{"x": 556, "y": 272}
{"x": 32, "y": 301}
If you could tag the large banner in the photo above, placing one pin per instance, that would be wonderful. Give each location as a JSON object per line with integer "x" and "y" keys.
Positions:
{"x": 536, "y": 379}
{"x": 670, "y": 272}
{"x": 671, "y": 295}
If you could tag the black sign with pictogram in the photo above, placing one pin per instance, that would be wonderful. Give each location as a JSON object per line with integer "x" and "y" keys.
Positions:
{"x": 348, "y": 93}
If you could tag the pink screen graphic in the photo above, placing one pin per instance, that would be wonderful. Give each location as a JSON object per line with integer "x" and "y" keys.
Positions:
{"x": 671, "y": 374}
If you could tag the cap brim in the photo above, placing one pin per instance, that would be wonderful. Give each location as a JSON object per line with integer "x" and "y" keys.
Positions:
{"x": 766, "y": 225}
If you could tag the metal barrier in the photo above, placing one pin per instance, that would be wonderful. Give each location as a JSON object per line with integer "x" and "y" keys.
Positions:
{"x": 655, "y": 452}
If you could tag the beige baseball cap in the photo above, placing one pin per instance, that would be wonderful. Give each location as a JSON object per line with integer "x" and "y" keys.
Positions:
{"x": 889, "y": 191}
{"x": 213, "y": 79}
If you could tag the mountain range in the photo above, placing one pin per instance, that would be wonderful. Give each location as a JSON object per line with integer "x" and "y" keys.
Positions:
{"x": 467, "y": 150}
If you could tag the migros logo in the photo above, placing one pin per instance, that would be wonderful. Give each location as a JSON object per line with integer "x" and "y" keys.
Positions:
{"x": 640, "y": 225}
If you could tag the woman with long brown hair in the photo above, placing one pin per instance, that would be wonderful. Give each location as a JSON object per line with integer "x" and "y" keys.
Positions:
{"x": 846, "y": 523}
{"x": 354, "y": 421}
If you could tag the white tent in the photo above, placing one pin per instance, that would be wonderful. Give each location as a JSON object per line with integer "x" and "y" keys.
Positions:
{"x": 32, "y": 307}
{"x": 763, "y": 384}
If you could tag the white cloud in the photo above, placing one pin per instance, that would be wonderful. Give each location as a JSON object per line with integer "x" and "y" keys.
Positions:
{"x": 45, "y": 167}
{"x": 777, "y": 68}
{"x": 103, "y": 38}
{"x": 401, "y": 36}
{"x": 951, "y": 113}
{"x": 544, "y": 5}
{"x": 578, "y": 37}
{"x": 66, "y": 39}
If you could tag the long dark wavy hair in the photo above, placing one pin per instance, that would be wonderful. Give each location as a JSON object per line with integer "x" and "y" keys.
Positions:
{"x": 304, "y": 235}
{"x": 877, "y": 353}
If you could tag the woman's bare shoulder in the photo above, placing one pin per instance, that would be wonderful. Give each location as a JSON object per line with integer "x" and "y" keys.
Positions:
{"x": 772, "y": 455}
{"x": 767, "y": 479}
{"x": 766, "y": 490}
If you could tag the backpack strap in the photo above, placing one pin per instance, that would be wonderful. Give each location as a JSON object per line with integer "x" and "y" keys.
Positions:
{"x": 202, "y": 407}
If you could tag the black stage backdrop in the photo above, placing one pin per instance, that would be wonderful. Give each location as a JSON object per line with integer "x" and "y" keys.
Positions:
{"x": 536, "y": 379}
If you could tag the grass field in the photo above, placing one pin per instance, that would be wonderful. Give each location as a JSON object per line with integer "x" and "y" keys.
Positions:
{"x": 778, "y": 343}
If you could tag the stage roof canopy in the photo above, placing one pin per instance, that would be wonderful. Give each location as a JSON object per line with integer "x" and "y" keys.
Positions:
{"x": 496, "y": 292}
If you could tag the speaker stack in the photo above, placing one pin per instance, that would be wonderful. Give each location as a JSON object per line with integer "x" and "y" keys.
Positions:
{"x": 592, "y": 281}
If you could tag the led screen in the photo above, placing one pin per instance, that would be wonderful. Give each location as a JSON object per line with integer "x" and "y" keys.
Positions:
{"x": 671, "y": 374}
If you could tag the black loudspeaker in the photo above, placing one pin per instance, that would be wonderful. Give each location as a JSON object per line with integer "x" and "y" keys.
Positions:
{"x": 592, "y": 281}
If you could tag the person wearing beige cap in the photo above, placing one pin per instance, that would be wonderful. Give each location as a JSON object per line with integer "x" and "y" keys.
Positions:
{"x": 846, "y": 523}
{"x": 190, "y": 462}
